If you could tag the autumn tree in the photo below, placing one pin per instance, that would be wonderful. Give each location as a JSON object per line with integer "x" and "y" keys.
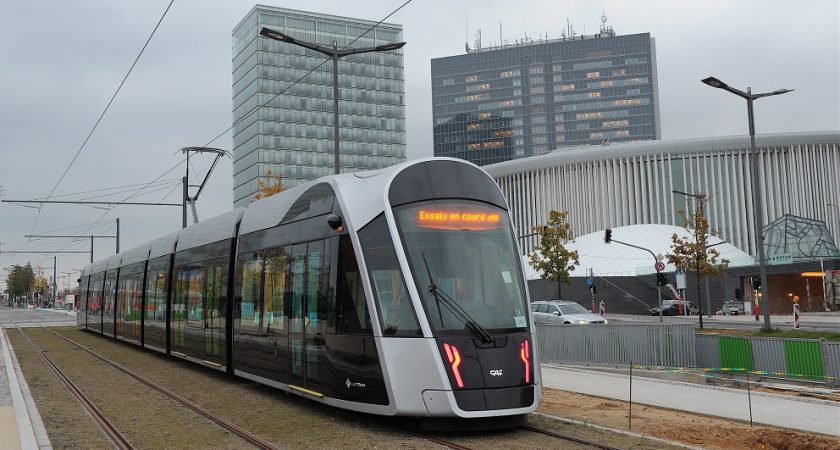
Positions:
{"x": 694, "y": 253}
{"x": 268, "y": 188}
{"x": 551, "y": 258}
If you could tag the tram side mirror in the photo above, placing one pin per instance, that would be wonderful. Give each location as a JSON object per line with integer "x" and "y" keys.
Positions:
{"x": 555, "y": 312}
{"x": 335, "y": 222}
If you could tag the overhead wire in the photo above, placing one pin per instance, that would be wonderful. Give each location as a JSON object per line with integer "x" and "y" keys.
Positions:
{"x": 99, "y": 120}
{"x": 252, "y": 111}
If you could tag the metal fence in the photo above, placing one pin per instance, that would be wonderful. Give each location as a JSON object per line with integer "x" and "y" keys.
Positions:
{"x": 671, "y": 345}
{"x": 676, "y": 345}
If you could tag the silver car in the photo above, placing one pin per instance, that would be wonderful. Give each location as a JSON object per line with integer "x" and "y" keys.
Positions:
{"x": 563, "y": 312}
{"x": 733, "y": 307}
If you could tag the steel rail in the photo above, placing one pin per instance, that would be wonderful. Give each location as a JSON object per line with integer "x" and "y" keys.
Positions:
{"x": 567, "y": 437}
{"x": 444, "y": 442}
{"x": 227, "y": 425}
{"x": 119, "y": 440}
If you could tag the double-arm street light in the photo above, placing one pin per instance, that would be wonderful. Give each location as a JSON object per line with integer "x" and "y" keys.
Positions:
{"x": 756, "y": 186}
{"x": 335, "y": 53}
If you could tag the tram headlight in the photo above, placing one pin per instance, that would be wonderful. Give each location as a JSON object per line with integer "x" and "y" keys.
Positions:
{"x": 582, "y": 322}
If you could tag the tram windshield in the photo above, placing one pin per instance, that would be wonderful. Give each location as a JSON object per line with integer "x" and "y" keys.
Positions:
{"x": 464, "y": 250}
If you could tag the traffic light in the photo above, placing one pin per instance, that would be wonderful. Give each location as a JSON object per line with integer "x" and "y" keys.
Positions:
{"x": 607, "y": 235}
{"x": 661, "y": 279}
{"x": 756, "y": 283}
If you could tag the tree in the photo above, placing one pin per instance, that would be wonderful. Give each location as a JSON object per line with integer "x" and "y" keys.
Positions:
{"x": 694, "y": 253}
{"x": 20, "y": 280}
{"x": 551, "y": 258}
{"x": 268, "y": 188}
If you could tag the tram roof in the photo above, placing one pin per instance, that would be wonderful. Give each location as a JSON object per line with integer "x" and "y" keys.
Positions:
{"x": 211, "y": 230}
{"x": 136, "y": 254}
{"x": 163, "y": 246}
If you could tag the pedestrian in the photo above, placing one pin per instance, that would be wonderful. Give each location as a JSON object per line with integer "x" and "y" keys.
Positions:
{"x": 756, "y": 311}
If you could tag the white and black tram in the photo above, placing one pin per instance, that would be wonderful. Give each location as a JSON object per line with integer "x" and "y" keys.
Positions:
{"x": 394, "y": 292}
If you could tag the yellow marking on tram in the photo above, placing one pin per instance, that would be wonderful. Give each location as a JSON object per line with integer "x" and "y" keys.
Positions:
{"x": 212, "y": 363}
{"x": 179, "y": 354}
{"x": 307, "y": 391}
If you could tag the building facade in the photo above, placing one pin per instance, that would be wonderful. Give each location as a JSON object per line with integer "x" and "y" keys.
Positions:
{"x": 284, "y": 127}
{"x": 632, "y": 183}
{"x": 500, "y": 103}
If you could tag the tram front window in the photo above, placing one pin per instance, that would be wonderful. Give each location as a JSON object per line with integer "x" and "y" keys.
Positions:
{"x": 464, "y": 250}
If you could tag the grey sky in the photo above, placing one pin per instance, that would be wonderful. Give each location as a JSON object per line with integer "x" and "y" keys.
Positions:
{"x": 60, "y": 62}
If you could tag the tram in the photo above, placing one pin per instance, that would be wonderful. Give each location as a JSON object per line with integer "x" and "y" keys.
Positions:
{"x": 395, "y": 292}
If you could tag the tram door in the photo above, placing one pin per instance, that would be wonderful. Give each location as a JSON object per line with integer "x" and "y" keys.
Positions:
{"x": 306, "y": 326}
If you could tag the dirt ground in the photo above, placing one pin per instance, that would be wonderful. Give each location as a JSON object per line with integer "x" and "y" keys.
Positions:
{"x": 691, "y": 429}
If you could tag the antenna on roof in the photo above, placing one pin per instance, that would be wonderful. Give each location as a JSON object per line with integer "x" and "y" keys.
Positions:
{"x": 466, "y": 32}
{"x": 501, "y": 40}
{"x": 606, "y": 29}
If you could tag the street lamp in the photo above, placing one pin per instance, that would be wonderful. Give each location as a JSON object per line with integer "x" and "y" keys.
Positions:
{"x": 756, "y": 186}
{"x": 333, "y": 52}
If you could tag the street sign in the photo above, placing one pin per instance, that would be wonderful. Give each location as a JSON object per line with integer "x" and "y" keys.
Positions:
{"x": 659, "y": 257}
{"x": 589, "y": 281}
{"x": 680, "y": 279}
{"x": 660, "y": 266}
{"x": 782, "y": 258}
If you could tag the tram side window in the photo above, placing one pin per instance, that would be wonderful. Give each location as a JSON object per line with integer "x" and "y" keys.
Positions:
{"x": 352, "y": 314}
{"x": 275, "y": 262}
{"x": 394, "y": 305}
{"x": 251, "y": 310}
{"x": 156, "y": 295}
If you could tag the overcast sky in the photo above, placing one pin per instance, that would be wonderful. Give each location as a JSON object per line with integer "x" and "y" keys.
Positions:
{"x": 60, "y": 62}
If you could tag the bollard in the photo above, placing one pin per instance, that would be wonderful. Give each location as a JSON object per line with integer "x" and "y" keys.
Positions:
{"x": 796, "y": 316}
{"x": 630, "y": 415}
{"x": 603, "y": 309}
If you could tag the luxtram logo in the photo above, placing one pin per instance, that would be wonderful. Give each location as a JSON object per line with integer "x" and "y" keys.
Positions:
{"x": 350, "y": 384}
{"x": 496, "y": 372}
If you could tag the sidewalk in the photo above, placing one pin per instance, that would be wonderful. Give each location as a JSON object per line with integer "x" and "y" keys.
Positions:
{"x": 771, "y": 409}
{"x": 20, "y": 422}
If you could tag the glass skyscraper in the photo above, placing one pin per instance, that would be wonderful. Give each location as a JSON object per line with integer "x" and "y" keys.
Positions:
{"x": 292, "y": 136}
{"x": 512, "y": 101}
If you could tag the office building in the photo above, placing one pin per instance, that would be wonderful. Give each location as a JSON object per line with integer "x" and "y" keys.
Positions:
{"x": 292, "y": 135}
{"x": 532, "y": 97}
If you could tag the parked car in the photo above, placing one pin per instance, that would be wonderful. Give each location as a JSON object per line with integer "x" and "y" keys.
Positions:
{"x": 733, "y": 307}
{"x": 672, "y": 308}
{"x": 563, "y": 312}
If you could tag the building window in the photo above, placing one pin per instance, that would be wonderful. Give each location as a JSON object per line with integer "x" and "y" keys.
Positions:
{"x": 535, "y": 69}
{"x": 587, "y": 116}
{"x": 593, "y": 95}
{"x": 567, "y": 87}
{"x": 484, "y": 116}
{"x": 616, "y": 123}
{"x": 537, "y": 89}
{"x": 593, "y": 74}
{"x": 449, "y": 82}
{"x": 619, "y": 72}
{"x": 506, "y": 74}
{"x": 471, "y": 78}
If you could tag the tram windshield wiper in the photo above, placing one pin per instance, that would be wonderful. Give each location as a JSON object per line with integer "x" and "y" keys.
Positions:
{"x": 454, "y": 307}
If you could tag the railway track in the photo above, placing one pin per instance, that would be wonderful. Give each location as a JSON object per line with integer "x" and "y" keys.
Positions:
{"x": 110, "y": 430}
{"x": 456, "y": 446}
{"x": 122, "y": 443}
{"x": 566, "y": 437}
{"x": 251, "y": 438}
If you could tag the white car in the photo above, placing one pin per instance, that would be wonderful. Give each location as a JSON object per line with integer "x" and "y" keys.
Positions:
{"x": 563, "y": 312}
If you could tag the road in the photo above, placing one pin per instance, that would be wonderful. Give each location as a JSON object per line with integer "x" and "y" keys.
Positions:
{"x": 807, "y": 322}
{"x": 28, "y": 317}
